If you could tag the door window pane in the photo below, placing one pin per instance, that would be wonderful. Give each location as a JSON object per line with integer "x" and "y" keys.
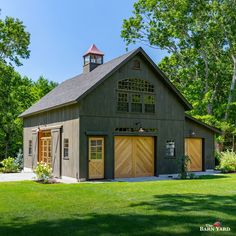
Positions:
{"x": 95, "y": 149}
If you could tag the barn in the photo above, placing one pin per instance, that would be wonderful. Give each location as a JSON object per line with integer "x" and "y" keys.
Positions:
{"x": 122, "y": 118}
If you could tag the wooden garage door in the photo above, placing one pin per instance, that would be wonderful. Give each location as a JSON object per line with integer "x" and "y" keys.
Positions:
{"x": 134, "y": 156}
{"x": 193, "y": 148}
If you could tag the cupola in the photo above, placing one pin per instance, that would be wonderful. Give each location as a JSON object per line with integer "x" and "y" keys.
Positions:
{"x": 92, "y": 58}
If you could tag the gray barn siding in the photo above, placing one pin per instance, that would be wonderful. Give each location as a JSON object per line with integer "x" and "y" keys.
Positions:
{"x": 98, "y": 113}
{"x": 173, "y": 130}
{"x": 208, "y": 140}
{"x": 68, "y": 118}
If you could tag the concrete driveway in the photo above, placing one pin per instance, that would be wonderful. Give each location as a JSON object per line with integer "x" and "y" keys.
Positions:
{"x": 17, "y": 176}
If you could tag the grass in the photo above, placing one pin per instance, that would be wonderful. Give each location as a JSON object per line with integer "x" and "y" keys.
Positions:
{"x": 177, "y": 207}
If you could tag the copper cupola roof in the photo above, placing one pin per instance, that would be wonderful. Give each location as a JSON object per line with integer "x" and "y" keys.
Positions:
{"x": 94, "y": 50}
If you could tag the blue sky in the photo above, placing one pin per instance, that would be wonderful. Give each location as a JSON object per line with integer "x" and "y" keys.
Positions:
{"x": 62, "y": 30}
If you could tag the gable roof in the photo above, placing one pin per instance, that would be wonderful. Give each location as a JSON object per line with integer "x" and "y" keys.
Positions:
{"x": 72, "y": 90}
{"x": 212, "y": 128}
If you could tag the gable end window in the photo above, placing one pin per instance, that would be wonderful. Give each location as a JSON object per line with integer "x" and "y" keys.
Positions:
{"x": 30, "y": 147}
{"x": 136, "y": 65}
{"x": 135, "y": 95}
{"x": 66, "y": 149}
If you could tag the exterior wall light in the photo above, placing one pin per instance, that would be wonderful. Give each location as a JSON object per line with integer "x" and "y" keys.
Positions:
{"x": 141, "y": 130}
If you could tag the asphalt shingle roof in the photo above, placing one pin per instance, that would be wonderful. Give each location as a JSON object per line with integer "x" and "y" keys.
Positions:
{"x": 72, "y": 89}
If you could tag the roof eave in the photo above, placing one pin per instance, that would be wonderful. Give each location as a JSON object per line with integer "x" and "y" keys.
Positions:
{"x": 22, "y": 115}
{"x": 212, "y": 128}
{"x": 188, "y": 106}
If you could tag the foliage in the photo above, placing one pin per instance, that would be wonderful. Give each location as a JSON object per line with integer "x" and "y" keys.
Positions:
{"x": 9, "y": 165}
{"x": 19, "y": 160}
{"x": 217, "y": 158}
{"x": 227, "y": 162}
{"x": 43, "y": 172}
{"x": 200, "y": 39}
{"x": 183, "y": 163}
{"x": 192, "y": 176}
{"x": 17, "y": 94}
{"x": 14, "y": 41}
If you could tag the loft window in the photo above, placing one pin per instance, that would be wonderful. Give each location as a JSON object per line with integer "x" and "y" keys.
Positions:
{"x": 30, "y": 147}
{"x": 149, "y": 103}
{"x": 170, "y": 148}
{"x": 134, "y": 84}
{"x": 122, "y": 104}
{"x": 136, "y": 103}
{"x": 66, "y": 148}
{"x": 136, "y": 65}
{"x": 135, "y": 95}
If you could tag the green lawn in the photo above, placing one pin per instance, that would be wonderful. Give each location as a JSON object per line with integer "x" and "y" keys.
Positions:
{"x": 176, "y": 207}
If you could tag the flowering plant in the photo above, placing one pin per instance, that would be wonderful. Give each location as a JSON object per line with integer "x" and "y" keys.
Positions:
{"x": 43, "y": 172}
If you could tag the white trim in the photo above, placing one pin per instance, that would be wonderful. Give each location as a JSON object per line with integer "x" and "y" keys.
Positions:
{"x": 47, "y": 127}
{"x": 82, "y": 180}
{"x": 26, "y": 169}
{"x": 69, "y": 179}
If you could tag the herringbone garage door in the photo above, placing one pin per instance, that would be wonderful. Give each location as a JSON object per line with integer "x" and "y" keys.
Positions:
{"x": 193, "y": 148}
{"x": 134, "y": 156}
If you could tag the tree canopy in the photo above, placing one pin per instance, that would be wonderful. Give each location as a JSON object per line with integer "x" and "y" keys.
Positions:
{"x": 14, "y": 41}
{"x": 17, "y": 93}
{"x": 200, "y": 39}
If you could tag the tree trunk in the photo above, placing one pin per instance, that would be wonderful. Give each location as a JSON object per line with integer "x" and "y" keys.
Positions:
{"x": 6, "y": 148}
{"x": 208, "y": 105}
{"x": 232, "y": 86}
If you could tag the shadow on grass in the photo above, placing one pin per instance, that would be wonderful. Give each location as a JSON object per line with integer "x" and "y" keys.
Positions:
{"x": 218, "y": 176}
{"x": 179, "y": 214}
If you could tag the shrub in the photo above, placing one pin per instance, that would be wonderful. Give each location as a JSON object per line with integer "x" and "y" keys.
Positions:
{"x": 227, "y": 162}
{"x": 43, "y": 172}
{"x": 192, "y": 176}
{"x": 19, "y": 159}
{"x": 9, "y": 165}
{"x": 183, "y": 166}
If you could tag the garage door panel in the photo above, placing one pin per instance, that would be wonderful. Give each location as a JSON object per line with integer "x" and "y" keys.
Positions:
{"x": 134, "y": 156}
{"x": 123, "y": 160}
{"x": 193, "y": 148}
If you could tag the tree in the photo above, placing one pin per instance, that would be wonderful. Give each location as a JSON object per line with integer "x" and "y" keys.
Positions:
{"x": 200, "y": 38}
{"x": 16, "y": 93}
{"x": 14, "y": 41}
{"x": 41, "y": 87}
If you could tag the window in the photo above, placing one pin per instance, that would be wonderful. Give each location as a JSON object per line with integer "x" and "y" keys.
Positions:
{"x": 136, "y": 65}
{"x": 95, "y": 148}
{"x": 149, "y": 103}
{"x": 122, "y": 104}
{"x": 136, "y": 103}
{"x": 135, "y": 95}
{"x": 30, "y": 147}
{"x": 66, "y": 148}
{"x": 134, "y": 84}
{"x": 170, "y": 148}
{"x": 86, "y": 60}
